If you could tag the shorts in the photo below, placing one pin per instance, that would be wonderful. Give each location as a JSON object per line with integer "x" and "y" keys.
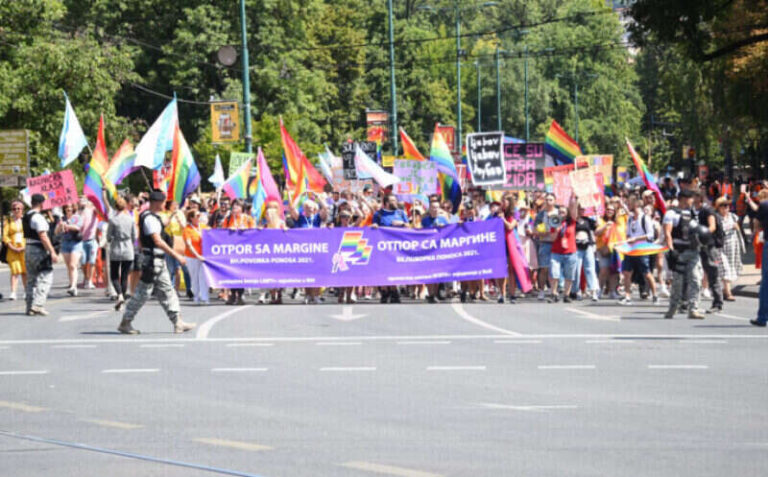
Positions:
{"x": 72, "y": 246}
{"x": 90, "y": 248}
{"x": 567, "y": 264}
{"x": 641, "y": 264}
{"x": 544, "y": 254}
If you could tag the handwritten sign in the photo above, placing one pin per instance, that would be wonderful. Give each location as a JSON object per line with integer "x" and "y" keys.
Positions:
{"x": 585, "y": 187}
{"x": 602, "y": 162}
{"x": 58, "y": 188}
{"x": 559, "y": 182}
{"x": 485, "y": 158}
{"x": 416, "y": 177}
{"x": 524, "y": 163}
{"x": 341, "y": 184}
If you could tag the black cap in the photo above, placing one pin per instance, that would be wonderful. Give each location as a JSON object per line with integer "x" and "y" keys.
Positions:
{"x": 157, "y": 196}
{"x": 37, "y": 199}
{"x": 686, "y": 194}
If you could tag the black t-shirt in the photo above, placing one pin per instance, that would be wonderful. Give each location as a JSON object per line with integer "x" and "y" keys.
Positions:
{"x": 761, "y": 215}
{"x": 585, "y": 228}
{"x": 704, "y": 215}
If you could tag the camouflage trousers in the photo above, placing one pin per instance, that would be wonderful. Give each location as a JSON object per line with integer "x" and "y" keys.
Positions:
{"x": 687, "y": 274}
{"x": 154, "y": 276}
{"x": 38, "y": 281}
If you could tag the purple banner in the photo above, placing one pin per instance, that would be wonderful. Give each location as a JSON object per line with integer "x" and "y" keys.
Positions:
{"x": 354, "y": 256}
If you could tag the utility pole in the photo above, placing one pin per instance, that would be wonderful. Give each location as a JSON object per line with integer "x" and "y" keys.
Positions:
{"x": 527, "y": 121}
{"x": 479, "y": 99}
{"x": 498, "y": 91}
{"x": 458, "y": 71}
{"x": 246, "y": 83}
{"x": 392, "y": 88}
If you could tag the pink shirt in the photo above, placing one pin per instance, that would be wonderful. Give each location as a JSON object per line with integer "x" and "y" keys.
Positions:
{"x": 89, "y": 220}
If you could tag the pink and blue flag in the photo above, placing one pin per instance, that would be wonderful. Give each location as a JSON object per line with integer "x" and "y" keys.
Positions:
{"x": 72, "y": 139}
{"x": 150, "y": 152}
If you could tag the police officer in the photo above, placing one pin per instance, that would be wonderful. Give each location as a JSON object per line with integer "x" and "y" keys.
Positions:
{"x": 711, "y": 250}
{"x": 154, "y": 246}
{"x": 39, "y": 257}
{"x": 680, "y": 234}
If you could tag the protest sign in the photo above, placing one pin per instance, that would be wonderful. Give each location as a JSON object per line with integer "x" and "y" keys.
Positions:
{"x": 559, "y": 183}
{"x": 354, "y": 256}
{"x": 348, "y": 160}
{"x": 622, "y": 175}
{"x": 416, "y": 177}
{"x": 58, "y": 188}
{"x": 524, "y": 164}
{"x": 237, "y": 159}
{"x": 602, "y": 162}
{"x": 585, "y": 187}
{"x": 485, "y": 157}
{"x": 341, "y": 184}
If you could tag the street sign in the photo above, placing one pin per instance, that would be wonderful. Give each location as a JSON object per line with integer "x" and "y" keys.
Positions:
{"x": 14, "y": 156}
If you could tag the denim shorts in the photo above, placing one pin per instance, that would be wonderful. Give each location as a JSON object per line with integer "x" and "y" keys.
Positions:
{"x": 90, "y": 249}
{"x": 544, "y": 254}
{"x": 72, "y": 246}
{"x": 642, "y": 264}
{"x": 566, "y": 264}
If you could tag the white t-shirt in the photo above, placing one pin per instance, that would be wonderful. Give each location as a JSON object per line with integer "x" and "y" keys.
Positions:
{"x": 38, "y": 223}
{"x": 640, "y": 227}
{"x": 152, "y": 225}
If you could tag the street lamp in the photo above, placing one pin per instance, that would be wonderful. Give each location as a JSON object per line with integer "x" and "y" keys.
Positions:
{"x": 479, "y": 99}
{"x": 246, "y": 82}
{"x": 572, "y": 76}
{"x": 392, "y": 89}
{"x": 499, "y": 51}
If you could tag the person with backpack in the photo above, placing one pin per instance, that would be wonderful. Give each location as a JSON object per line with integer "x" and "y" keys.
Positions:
{"x": 711, "y": 249}
{"x": 639, "y": 229}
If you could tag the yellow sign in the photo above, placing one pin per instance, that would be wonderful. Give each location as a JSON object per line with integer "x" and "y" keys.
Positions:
{"x": 387, "y": 161}
{"x": 225, "y": 122}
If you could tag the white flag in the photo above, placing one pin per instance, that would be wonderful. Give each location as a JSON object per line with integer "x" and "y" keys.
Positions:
{"x": 367, "y": 168}
{"x": 158, "y": 139}
{"x": 217, "y": 179}
{"x": 71, "y": 140}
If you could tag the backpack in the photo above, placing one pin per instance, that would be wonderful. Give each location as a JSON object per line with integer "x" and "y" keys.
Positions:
{"x": 718, "y": 237}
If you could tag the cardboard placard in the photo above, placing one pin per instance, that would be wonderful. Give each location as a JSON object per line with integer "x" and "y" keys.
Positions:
{"x": 524, "y": 163}
{"x": 559, "y": 182}
{"x": 348, "y": 161}
{"x": 602, "y": 162}
{"x": 585, "y": 187}
{"x": 59, "y": 188}
{"x": 416, "y": 177}
{"x": 485, "y": 157}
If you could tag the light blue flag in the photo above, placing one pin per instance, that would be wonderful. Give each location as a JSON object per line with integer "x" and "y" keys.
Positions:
{"x": 71, "y": 140}
{"x": 150, "y": 152}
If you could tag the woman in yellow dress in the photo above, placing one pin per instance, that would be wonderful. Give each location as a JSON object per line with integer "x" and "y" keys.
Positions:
{"x": 13, "y": 238}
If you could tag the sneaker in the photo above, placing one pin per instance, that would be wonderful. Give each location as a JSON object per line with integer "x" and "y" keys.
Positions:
{"x": 664, "y": 292}
{"x": 180, "y": 326}
{"x": 90, "y": 286}
{"x": 463, "y": 297}
{"x": 35, "y": 310}
{"x": 240, "y": 301}
{"x": 669, "y": 314}
{"x": 12, "y": 296}
{"x": 263, "y": 298}
{"x": 316, "y": 300}
{"x": 656, "y": 301}
{"x": 715, "y": 309}
{"x": 614, "y": 295}
{"x": 706, "y": 293}
{"x": 384, "y": 296}
{"x": 119, "y": 304}
{"x": 554, "y": 298}
{"x": 500, "y": 300}
{"x": 595, "y": 296}
{"x": 306, "y": 300}
{"x": 626, "y": 301}
{"x": 395, "y": 298}
{"x": 72, "y": 291}
{"x": 541, "y": 295}
{"x": 579, "y": 296}
{"x": 512, "y": 300}
{"x": 431, "y": 299}
{"x": 567, "y": 299}
{"x": 695, "y": 315}
{"x": 758, "y": 323}
{"x": 127, "y": 329}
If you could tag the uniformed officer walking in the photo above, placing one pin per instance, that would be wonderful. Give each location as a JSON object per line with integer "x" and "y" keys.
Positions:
{"x": 680, "y": 234}
{"x": 154, "y": 274}
{"x": 39, "y": 257}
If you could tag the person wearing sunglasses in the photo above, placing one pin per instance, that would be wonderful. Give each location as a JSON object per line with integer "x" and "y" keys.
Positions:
{"x": 13, "y": 238}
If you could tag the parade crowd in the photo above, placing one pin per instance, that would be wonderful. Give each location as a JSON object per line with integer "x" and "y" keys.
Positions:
{"x": 150, "y": 246}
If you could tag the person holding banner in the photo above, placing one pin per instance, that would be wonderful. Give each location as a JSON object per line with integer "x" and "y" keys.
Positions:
{"x": 237, "y": 220}
{"x": 39, "y": 257}
{"x": 154, "y": 243}
{"x": 433, "y": 219}
{"x": 13, "y": 238}
{"x": 193, "y": 239}
{"x": 310, "y": 218}
{"x": 389, "y": 215}
{"x": 274, "y": 221}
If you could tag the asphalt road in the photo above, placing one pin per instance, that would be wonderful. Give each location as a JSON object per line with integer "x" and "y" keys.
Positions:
{"x": 410, "y": 390}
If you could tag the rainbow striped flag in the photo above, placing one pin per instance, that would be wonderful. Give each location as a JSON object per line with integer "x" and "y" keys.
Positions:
{"x": 184, "y": 177}
{"x": 410, "y": 151}
{"x": 447, "y": 176}
{"x": 650, "y": 182}
{"x": 236, "y": 186}
{"x": 121, "y": 164}
{"x": 294, "y": 161}
{"x": 268, "y": 182}
{"x": 93, "y": 186}
{"x": 560, "y": 145}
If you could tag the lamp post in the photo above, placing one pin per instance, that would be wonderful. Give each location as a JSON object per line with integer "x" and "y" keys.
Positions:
{"x": 392, "y": 88}
{"x": 499, "y": 51}
{"x": 246, "y": 82}
{"x": 575, "y": 80}
{"x": 479, "y": 99}
{"x": 525, "y": 75}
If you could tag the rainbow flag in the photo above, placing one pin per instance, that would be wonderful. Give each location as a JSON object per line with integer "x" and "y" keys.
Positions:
{"x": 98, "y": 166}
{"x": 353, "y": 250}
{"x": 560, "y": 145}
{"x": 650, "y": 182}
{"x": 447, "y": 176}
{"x": 293, "y": 162}
{"x": 409, "y": 148}
{"x": 300, "y": 192}
{"x": 184, "y": 177}
{"x": 121, "y": 164}
{"x": 268, "y": 182}
{"x": 236, "y": 186}
{"x": 641, "y": 249}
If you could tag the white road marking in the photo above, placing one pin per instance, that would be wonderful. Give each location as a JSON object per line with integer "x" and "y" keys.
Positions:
{"x": 347, "y": 315}
{"x": 677, "y": 366}
{"x": 73, "y": 346}
{"x": 731, "y": 317}
{"x": 387, "y": 469}
{"x": 567, "y": 366}
{"x": 349, "y": 368}
{"x": 705, "y": 341}
{"x": 162, "y": 345}
{"x": 310, "y": 339}
{"x": 339, "y": 343}
{"x": 86, "y": 316}
{"x": 240, "y": 445}
{"x": 20, "y": 406}
{"x": 592, "y": 316}
{"x": 245, "y": 345}
{"x": 114, "y": 424}
{"x": 204, "y": 330}
{"x": 130, "y": 370}
{"x": 608, "y": 341}
{"x": 455, "y": 368}
{"x": 459, "y": 309}
{"x": 423, "y": 342}
{"x": 239, "y": 370}
{"x": 529, "y": 408}
{"x": 23, "y": 373}
{"x": 517, "y": 341}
